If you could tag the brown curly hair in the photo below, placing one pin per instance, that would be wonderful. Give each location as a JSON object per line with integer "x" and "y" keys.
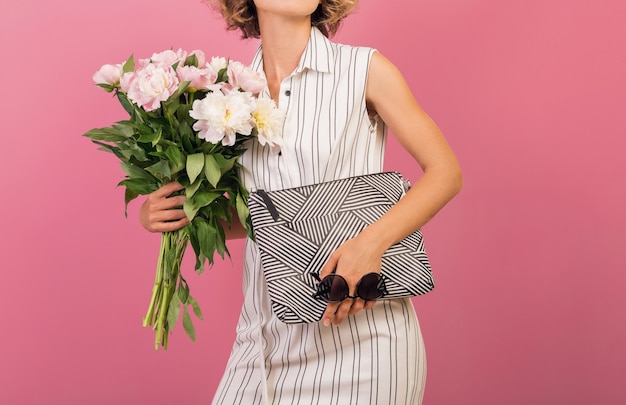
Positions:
{"x": 241, "y": 15}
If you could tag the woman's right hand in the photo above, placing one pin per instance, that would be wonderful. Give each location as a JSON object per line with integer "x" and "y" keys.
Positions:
{"x": 162, "y": 213}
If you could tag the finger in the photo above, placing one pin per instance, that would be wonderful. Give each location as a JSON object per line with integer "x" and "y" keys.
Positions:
{"x": 155, "y": 205}
{"x": 369, "y": 305}
{"x": 357, "y": 305}
{"x": 168, "y": 189}
{"x": 168, "y": 215}
{"x": 170, "y": 226}
{"x": 168, "y": 203}
{"x": 342, "y": 311}
{"x": 329, "y": 266}
{"x": 329, "y": 314}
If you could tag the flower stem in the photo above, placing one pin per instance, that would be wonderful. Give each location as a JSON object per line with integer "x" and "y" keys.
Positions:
{"x": 167, "y": 281}
{"x": 148, "y": 319}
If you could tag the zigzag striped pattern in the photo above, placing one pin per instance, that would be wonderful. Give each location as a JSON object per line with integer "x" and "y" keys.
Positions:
{"x": 314, "y": 221}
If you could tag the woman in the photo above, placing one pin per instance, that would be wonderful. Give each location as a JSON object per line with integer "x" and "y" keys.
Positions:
{"x": 338, "y": 102}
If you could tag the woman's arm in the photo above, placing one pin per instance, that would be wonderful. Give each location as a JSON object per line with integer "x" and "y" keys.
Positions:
{"x": 389, "y": 96}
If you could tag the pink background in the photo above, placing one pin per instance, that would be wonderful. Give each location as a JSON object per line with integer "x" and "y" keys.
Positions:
{"x": 529, "y": 306}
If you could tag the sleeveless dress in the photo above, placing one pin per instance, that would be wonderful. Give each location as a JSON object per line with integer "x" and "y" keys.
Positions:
{"x": 373, "y": 357}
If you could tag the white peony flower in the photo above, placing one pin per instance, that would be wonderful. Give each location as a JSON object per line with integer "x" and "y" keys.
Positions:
{"x": 269, "y": 122}
{"x": 222, "y": 116}
{"x": 217, "y": 64}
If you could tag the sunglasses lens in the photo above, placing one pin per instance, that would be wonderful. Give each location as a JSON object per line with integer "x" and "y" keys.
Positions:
{"x": 333, "y": 288}
{"x": 368, "y": 288}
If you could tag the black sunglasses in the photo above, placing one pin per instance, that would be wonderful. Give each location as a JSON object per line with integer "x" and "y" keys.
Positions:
{"x": 334, "y": 288}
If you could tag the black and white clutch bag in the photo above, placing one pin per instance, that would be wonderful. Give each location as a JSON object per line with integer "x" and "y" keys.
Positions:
{"x": 297, "y": 229}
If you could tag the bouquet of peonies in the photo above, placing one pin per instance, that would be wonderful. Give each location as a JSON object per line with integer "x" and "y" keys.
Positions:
{"x": 189, "y": 122}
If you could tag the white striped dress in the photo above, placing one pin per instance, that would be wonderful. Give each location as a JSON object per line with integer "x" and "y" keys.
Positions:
{"x": 373, "y": 357}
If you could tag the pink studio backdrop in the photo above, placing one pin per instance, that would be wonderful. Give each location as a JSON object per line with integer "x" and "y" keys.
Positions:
{"x": 529, "y": 259}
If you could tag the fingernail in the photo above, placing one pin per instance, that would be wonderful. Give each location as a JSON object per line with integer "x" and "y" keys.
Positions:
{"x": 326, "y": 322}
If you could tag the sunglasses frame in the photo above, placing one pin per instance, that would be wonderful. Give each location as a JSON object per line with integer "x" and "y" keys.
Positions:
{"x": 381, "y": 288}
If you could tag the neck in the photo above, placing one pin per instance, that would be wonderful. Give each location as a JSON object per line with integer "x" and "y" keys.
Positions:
{"x": 284, "y": 41}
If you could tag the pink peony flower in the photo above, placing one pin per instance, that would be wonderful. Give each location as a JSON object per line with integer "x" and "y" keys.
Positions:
{"x": 201, "y": 58}
{"x": 239, "y": 76}
{"x": 198, "y": 78}
{"x": 126, "y": 80}
{"x": 149, "y": 86}
{"x": 108, "y": 74}
{"x": 169, "y": 57}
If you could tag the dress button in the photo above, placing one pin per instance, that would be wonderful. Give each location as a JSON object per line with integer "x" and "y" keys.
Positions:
{"x": 288, "y": 93}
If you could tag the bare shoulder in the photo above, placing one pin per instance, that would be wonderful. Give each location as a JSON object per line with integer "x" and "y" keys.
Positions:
{"x": 386, "y": 87}
{"x": 389, "y": 96}
{"x": 379, "y": 64}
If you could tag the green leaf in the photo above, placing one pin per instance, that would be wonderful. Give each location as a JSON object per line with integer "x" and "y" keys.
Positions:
{"x": 195, "y": 244}
{"x": 195, "y": 164}
{"x": 128, "y": 128}
{"x": 139, "y": 186}
{"x": 176, "y": 157}
{"x": 195, "y": 306}
{"x": 110, "y": 134}
{"x": 190, "y": 209}
{"x": 191, "y": 189}
{"x": 184, "y": 130}
{"x": 199, "y": 200}
{"x": 220, "y": 241}
{"x": 129, "y": 65}
{"x": 136, "y": 172}
{"x": 212, "y": 170}
{"x": 128, "y": 106}
{"x": 242, "y": 210}
{"x": 200, "y": 260}
{"x": 173, "y": 312}
{"x": 170, "y": 106}
{"x": 222, "y": 75}
{"x": 192, "y": 60}
{"x": 129, "y": 195}
{"x": 109, "y": 148}
{"x": 187, "y": 145}
{"x": 225, "y": 164}
{"x": 161, "y": 170}
{"x": 188, "y": 324}
{"x": 152, "y": 138}
{"x": 107, "y": 87}
{"x": 133, "y": 150}
{"x": 206, "y": 238}
{"x": 204, "y": 198}
{"x": 183, "y": 292}
{"x": 182, "y": 86}
{"x": 221, "y": 209}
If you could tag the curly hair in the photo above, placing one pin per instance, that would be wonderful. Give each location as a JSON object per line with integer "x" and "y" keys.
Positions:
{"x": 241, "y": 15}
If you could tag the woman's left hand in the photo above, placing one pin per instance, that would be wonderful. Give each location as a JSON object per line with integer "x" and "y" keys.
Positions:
{"x": 352, "y": 260}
